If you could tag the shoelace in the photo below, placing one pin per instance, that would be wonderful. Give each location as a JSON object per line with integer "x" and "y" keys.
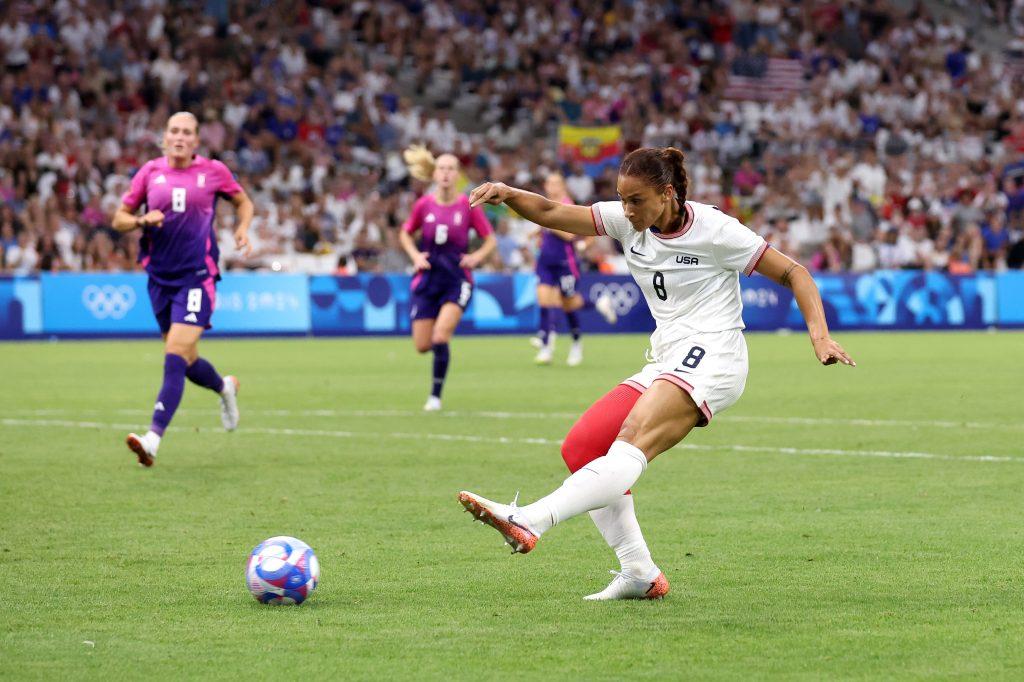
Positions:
{"x": 626, "y": 576}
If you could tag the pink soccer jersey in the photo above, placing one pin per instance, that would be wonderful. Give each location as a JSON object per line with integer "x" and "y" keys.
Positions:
{"x": 444, "y": 229}
{"x": 185, "y": 246}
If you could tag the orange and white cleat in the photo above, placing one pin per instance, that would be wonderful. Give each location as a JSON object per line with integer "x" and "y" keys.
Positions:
{"x": 626, "y": 586}
{"x": 144, "y": 447}
{"x": 500, "y": 517}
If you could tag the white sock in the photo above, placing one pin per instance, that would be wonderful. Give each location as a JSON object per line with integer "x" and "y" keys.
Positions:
{"x": 620, "y": 529}
{"x": 596, "y": 485}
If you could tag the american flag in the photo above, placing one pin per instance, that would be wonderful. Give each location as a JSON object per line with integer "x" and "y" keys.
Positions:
{"x": 782, "y": 78}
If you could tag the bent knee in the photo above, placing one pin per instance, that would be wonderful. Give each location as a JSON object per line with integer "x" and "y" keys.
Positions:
{"x": 422, "y": 347}
{"x": 190, "y": 353}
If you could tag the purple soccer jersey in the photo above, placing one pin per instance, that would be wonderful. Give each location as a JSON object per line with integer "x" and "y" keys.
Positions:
{"x": 184, "y": 249}
{"x": 556, "y": 251}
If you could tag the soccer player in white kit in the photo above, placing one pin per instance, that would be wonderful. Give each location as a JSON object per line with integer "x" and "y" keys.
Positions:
{"x": 686, "y": 257}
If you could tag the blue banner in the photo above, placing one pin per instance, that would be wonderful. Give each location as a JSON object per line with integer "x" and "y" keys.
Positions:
{"x": 97, "y": 304}
{"x": 21, "y": 311}
{"x": 261, "y": 303}
{"x": 380, "y": 304}
{"x": 1010, "y": 286}
{"x": 100, "y": 304}
{"x": 898, "y": 299}
{"x": 118, "y": 304}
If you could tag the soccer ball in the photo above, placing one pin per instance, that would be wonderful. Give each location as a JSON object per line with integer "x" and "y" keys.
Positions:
{"x": 282, "y": 570}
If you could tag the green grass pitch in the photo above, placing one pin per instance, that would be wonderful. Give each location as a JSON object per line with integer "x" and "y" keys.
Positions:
{"x": 835, "y": 523}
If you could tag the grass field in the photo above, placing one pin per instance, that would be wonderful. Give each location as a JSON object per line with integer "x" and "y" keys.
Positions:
{"x": 836, "y": 523}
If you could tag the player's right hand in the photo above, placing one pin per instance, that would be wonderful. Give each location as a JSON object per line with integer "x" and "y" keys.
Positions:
{"x": 420, "y": 261}
{"x": 152, "y": 219}
{"x": 490, "y": 193}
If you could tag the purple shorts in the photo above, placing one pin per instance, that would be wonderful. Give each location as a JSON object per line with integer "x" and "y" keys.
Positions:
{"x": 430, "y": 293}
{"x": 559, "y": 275}
{"x": 188, "y": 304}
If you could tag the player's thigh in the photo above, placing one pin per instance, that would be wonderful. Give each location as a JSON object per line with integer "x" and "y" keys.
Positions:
{"x": 161, "y": 299}
{"x": 447, "y": 320}
{"x": 183, "y": 340}
{"x": 572, "y": 303}
{"x": 422, "y": 331}
{"x": 548, "y": 296}
{"x": 661, "y": 418}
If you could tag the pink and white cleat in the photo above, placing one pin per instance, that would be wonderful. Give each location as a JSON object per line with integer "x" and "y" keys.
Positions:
{"x": 626, "y": 586}
{"x": 501, "y": 517}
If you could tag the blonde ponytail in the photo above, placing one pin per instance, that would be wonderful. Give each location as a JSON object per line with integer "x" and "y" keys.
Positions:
{"x": 420, "y": 162}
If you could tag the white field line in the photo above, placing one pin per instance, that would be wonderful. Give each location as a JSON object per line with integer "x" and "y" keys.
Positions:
{"x": 498, "y": 440}
{"x": 489, "y": 414}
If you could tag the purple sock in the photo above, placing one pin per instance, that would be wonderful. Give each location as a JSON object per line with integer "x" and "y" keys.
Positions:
{"x": 441, "y": 357}
{"x": 170, "y": 393}
{"x": 574, "y": 324}
{"x": 202, "y": 373}
{"x": 547, "y": 324}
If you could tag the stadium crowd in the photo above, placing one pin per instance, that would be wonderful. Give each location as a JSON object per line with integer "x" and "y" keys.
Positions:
{"x": 851, "y": 134}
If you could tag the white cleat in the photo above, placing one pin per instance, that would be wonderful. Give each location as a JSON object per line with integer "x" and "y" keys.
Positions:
{"x": 433, "y": 404}
{"x": 606, "y": 306}
{"x": 144, "y": 447}
{"x": 229, "y": 403}
{"x": 545, "y": 354}
{"x": 626, "y": 586}
{"x": 536, "y": 342}
{"x": 575, "y": 354}
{"x": 502, "y": 518}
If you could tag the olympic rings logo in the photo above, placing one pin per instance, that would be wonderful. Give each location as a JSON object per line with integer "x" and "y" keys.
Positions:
{"x": 624, "y": 296}
{"x": 108, "y": 301}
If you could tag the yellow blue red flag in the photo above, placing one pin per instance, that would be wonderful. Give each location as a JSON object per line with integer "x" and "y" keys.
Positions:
{"x": 595, "y": 147}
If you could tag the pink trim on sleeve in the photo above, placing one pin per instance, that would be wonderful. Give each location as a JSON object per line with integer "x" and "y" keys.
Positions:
{"x": 595, "y": 215}
{"x": 755, "y": 259}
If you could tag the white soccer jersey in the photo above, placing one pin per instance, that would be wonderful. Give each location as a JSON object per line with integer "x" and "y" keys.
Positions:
{"x": 690, "y": 277}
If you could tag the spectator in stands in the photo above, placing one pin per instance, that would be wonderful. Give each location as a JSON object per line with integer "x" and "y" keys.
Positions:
{"x": 780, "y": 97}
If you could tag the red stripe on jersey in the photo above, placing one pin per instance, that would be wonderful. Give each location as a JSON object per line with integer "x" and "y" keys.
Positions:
{"x": 755, "y": 259}
{"x": 595, "y": 215}
{"x": 687, "y": 224}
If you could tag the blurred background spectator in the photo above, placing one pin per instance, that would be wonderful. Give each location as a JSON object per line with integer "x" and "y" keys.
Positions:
{"x": 854, "y": 135}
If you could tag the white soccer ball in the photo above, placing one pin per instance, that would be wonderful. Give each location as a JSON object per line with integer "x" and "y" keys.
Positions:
{"x": 282, "y": 570}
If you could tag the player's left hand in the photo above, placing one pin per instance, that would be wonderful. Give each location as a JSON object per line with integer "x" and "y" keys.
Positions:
{"x": 829, "y": 352}
{"x": 470, "y": 260}
{"x": 242, "y": 242}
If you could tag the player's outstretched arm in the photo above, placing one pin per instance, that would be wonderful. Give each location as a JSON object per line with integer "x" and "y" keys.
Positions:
{"x": 536, "y": 209}
{"x": 125, "y": 219}
{"x": 782, "y": 269}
